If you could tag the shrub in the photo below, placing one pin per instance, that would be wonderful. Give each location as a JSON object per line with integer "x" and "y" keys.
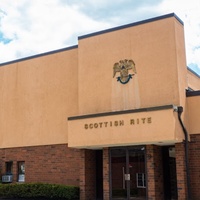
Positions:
{"x": 39, "y": 190}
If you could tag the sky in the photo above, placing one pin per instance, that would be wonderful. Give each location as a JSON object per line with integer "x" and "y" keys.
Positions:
{"x": 30, "y": 27}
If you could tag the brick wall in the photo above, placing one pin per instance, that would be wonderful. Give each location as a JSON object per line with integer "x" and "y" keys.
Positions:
{"x": 106, "y": 172}
{"x": 51, "y": 163}
{"x": 180, "y": 171}
{"x": 194, "y": 165}
{"x": 154, "y": 172}
{"x": 87, "y": 175}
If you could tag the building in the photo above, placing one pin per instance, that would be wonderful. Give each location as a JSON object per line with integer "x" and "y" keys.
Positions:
{"x": 117, "y": 115}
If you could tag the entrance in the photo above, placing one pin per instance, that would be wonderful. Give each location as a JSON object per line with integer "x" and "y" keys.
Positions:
{"x": 128, "y": 174}
{"x": 99, "y": 175}
{"x": 169, "y": 173}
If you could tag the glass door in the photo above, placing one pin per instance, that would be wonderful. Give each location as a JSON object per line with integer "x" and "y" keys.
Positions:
{"x": 128, "y": 173}
{"x": 137, "y": 173}
{"x": 118, "y": 168}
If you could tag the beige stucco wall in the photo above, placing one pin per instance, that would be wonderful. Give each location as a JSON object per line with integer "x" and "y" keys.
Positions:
{"x": 158, "y": 51}
{"x": 181, "y": 65}
{"x": 193, "y": 105}
{"x": 36, "y": 97}
{"x": 193, "y": 80}
{"x": 159, "y": 127}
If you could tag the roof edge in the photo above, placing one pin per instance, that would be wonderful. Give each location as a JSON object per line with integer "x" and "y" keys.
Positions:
{"x": 38, "y": 55}
{"x": 192, "y": 71}
{"x": 131, "y": 24}
{"x": 192, "y": 93}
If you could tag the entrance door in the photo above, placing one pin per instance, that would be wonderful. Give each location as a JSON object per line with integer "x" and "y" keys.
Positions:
{"x": 128, "y": 173}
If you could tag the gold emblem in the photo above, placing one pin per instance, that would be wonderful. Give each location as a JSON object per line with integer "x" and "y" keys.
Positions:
{"x": 123, "y": 66}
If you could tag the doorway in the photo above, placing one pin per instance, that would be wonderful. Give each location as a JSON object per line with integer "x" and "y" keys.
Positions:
{"x": 169, "y": 173}
{"x": 128, "y": 174}
{"x": 99, "y": 174}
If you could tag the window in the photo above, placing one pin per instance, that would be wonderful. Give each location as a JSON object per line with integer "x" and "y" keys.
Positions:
{"x": 8, "y": 177}
{"x": 141, "y": 180}
{"x": 21, "y": 171}
{"x": 9, "y": 166}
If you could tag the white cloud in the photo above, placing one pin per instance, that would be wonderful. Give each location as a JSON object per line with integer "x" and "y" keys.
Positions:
{"x": 38, "y": 26}
{"x": 188, "y": 11}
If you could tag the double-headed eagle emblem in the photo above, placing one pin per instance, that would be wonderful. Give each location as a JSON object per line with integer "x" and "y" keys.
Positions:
{"x": 123, "y": 66}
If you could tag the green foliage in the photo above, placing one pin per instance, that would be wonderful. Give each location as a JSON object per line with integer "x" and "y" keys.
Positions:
{"x": 39, "y": 190}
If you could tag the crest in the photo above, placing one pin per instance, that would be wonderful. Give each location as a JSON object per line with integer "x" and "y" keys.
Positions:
{"x": 123, "y": 67}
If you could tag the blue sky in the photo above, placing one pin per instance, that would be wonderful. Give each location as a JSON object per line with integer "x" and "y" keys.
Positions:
{"x": 3, "y": 39}
{"x": 29, "y": 27}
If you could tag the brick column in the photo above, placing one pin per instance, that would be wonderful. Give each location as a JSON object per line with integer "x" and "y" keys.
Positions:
{"x": 154, "y": 172}
{"x": 194, "y": 158}
{"x": 106, "y": 171}
{"x": 180, "y": 170}
{"x": 87, "y": 175}
{"x": 15, "y": 172}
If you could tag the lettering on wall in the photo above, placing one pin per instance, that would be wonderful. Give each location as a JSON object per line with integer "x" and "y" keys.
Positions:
{"x": 118, "y": 123}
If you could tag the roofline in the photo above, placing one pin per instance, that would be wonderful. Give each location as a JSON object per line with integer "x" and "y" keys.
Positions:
{"x": 192, "y": 71}
{"x": 39, "y": 55}
{"x": 131, "y": 25}
{"x": 94, "y": 34}
{"x": 192, "y": 93}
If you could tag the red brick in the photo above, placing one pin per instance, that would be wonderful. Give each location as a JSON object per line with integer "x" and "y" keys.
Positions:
{"x": 49, "y": 163}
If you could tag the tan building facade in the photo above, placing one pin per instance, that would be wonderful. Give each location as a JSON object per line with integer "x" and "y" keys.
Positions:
{"x": 116, "y": 115}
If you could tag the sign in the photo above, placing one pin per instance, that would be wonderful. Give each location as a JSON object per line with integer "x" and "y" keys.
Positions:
{"x": 117, "y": 123}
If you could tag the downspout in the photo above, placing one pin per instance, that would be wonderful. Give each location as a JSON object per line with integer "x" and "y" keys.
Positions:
{"x": 180, "y": 110}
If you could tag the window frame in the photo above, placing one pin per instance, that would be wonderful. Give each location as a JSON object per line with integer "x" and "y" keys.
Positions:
{"x": 9, "y": 167}
{"x": 21, "y": 171}
{"x": 142, "y": 179}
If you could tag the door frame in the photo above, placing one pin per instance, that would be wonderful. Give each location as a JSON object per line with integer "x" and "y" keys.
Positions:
{"x": 170, "y": 190}
{"x": 99, "y": 174}
{"x": 127, "y": 148}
